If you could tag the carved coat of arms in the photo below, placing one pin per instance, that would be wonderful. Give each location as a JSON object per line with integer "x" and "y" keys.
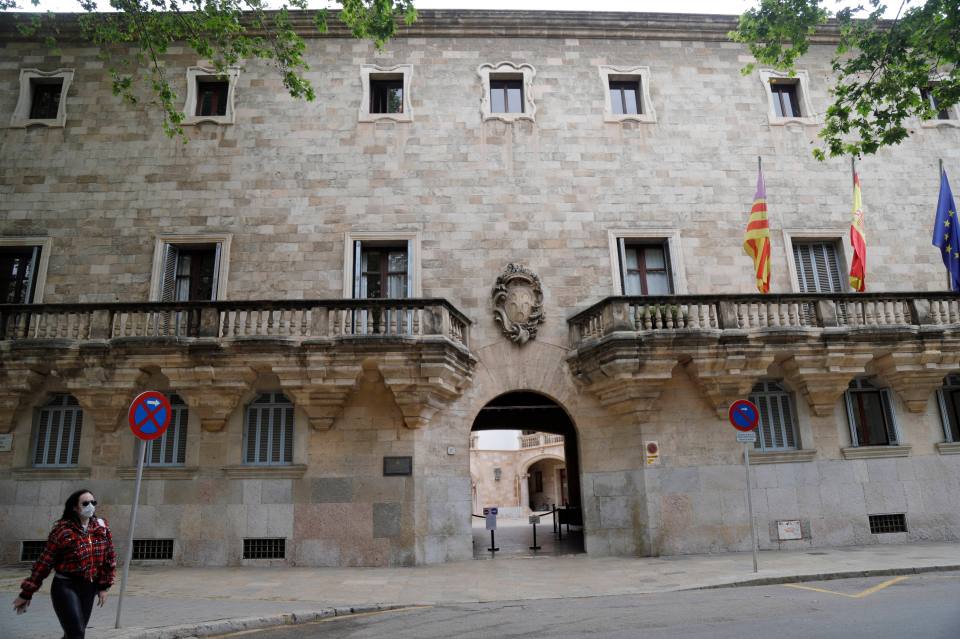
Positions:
{"x": 518, "y": 303}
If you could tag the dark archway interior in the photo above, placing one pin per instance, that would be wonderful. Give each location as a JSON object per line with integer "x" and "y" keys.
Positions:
{"x": 525, "y": 410}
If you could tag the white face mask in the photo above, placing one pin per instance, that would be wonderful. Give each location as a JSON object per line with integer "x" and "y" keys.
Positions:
{"x": 87, "y": 511}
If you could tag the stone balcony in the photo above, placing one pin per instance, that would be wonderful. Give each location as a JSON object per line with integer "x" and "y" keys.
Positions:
{"x": 539, "y": 440}
{"x": 625, "y": 349}
{"x": 212, "y": 352}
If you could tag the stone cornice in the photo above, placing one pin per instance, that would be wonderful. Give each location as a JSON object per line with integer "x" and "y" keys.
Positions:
{"x": 497, "y": 24}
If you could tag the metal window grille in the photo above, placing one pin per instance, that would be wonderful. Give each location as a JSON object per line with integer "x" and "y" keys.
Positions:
{"x": 147, "y": 549}
{"x": 269, "y": 430}
{"x": 778, "y": 428}
{"x": 870, "y": 415}
{"x": 30, "y": 550}
{"x": 171, "y": 448}
{"x": 892, "y": 523}
{"x": 265, "y": 548}
{"x": 57, "y": 441}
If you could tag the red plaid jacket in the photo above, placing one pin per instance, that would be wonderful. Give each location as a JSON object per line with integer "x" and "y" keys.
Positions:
{"x": 69, "y": 551}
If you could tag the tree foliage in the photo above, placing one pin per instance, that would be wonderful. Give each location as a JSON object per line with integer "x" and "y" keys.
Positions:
{"x": 135, "y": 36}
{"x": 880, "y": 65}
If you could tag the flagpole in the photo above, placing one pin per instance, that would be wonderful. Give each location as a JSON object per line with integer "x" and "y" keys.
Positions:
{"x": 941, "y": 167}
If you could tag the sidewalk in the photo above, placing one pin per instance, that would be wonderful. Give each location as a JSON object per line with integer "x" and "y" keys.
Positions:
{"x": 173, "y": 596}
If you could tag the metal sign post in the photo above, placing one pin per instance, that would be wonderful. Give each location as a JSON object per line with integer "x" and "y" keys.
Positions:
{"x": 149, "y": 416}
{"x": 745, "y": 416}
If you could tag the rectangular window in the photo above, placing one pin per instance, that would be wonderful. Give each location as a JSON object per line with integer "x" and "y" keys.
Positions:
{"x": 190, "y": 272}
{"x": 625, "y": 97}
{"x": 506, "y": 96}
{"x": 818, "y": 267}
{"x": 382, "y": 270}
{"x": 18, "y": 270}
{"x": 870, "y": 413}
{"x": 31, "y": 550}
{"x": 57, "y": 440}
{"x": 928, "y": 97}
{"x": 777, "y": 430}
{"x": 645, "y": 268}
{"x": 893, "y": 523}
{"x": 265, "y": 548}
{"x": 170, "y": 449}
{"x": 948, "y": 397}
{"x": 269, "y": 430}
{"x": 386, "y": 95}
{"x": 212, "y": 97}
{"x": 152, "y": 549}
{"x": 45, "y": 98}
{"x": 785, "y": 102}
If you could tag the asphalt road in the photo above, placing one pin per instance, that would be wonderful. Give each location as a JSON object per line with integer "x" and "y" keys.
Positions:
{"x": 916, "y": 606}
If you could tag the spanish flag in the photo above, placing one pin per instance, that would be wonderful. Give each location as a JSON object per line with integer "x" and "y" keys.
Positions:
{"x": 858, "y": 240}
{"x": 756, "y": 241}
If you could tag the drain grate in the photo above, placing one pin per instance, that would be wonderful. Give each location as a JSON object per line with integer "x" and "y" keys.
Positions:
{"x": 31, "y": 550}
{"x": 264, "y": 548}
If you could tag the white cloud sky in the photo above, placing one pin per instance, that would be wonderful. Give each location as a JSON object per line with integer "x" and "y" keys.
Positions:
{"x": 498, "y": 440}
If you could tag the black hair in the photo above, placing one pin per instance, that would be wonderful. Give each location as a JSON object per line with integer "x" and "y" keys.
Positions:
{"x": 68, "y": 507}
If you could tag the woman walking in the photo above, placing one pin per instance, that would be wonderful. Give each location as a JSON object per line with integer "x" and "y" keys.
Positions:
{"x": 80, "y": 551}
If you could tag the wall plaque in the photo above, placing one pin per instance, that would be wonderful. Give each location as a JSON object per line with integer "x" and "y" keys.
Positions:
{"x": 396, "y": 466}
{"x": 518, "y": 303}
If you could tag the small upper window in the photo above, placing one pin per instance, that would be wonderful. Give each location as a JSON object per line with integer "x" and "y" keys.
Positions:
{"x": 625, "y": 97}
{"x": 929, "y": 97}
{"x": 386, "y": 93}
{"x": 645, "y": 267}
{"x": 870, "y": 413}
{"x": 949, "y": 397}
{"x": 506, "y": 95}
{"x": 210, "y": 95}
{"x": 18, "y": 274}
{"x": 42, "y": 98}
{"x": 386, "y": 96}
{"x": 785, "y": 102}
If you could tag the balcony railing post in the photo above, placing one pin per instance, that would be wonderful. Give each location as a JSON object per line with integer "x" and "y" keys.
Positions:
{"x": 920, "y": 311}
{"x": 827, "y": 313}
{"x": 727, "y": 315}
{"x": 616, "y": 317}
{"x": 320, "y": 322}
{"x": 209, "y": 322}
{"x": 101, "y": 323}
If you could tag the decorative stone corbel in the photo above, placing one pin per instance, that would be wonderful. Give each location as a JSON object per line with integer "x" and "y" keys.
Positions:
{"x": 916, "y": 374}
{"x": 321, "y": 387}
{"x": 822, "y": 374}
{"x": 425, "y": 382}
{"x": 16, "y": 385}
{"x": 105, "y": 394}
{"x": 214, "y": 392}
{"x": 725, "y": 374}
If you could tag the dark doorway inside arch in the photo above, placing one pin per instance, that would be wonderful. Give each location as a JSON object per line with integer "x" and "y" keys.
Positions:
{"x": 538, "y": 475}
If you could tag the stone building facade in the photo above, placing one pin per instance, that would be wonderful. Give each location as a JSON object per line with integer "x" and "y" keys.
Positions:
{"x": 531, "y": 478}
{"x": 319, "y": 427}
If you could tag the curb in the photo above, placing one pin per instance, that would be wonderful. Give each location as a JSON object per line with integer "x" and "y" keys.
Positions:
{"x": 829, "y": 576}
{"x": 227, "y": 626}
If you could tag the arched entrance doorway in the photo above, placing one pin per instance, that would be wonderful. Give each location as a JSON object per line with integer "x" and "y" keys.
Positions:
{"x": 538, "y": 476}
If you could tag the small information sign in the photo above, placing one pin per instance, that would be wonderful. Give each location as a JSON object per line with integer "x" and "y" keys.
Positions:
{"x": 534, "y": 519}
{"x": 491, "y": 520}
{"x": 789, "y": 529}
{"x": 652, "y": 453}
{"x": 748, "y": 437}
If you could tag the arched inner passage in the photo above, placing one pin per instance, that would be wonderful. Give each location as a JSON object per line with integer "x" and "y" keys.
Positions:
{"x": 533, "y": 470}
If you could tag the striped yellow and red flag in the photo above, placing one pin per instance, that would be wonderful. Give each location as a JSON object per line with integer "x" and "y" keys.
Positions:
{"x": 858, "y": 240}
{"x": 756, "y": 241}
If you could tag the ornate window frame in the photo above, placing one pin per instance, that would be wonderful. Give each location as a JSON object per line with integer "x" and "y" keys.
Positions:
{"x": 194, "y": 75}
{"x": 40, "y": 271}
{"x": 672, "y": 239}
{"x": 639, "y": 74}
{"x": 505, "y": 70}
{"x": 21, "y": 113}
{"x": 802, "y": 80}
{"x": 403, "y": 70}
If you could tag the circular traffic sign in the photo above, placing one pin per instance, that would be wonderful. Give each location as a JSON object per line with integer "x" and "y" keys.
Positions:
{"x": 149, "y": 415}
{"x": 744, "y": 415}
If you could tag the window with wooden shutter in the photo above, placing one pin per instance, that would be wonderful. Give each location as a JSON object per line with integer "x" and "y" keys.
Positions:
{"x": 778, "y": 428}
{"x": 190, "y": 272}
{"x": 870, "y": 414}
{"x": 268, "y": 439}
{"x": 382, "y": 270}
{"x": 644, "y": 267}
{"x": 18, "y": 274}
{"x": 170, "y": 449}
{"x": 948, "y": 397}
{"x": 57, "y": 439}
{"x": 818, "y": 271}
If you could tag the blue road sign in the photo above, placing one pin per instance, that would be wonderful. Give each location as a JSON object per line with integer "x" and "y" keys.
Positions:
{"x": 744, "y": 415}
{"x": 149, "y": 415}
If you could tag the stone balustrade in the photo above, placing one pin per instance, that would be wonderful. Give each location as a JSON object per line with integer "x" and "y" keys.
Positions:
{"x": 214, "y": 353}
{"x": 536, "y": 440}
{"x": 624, "y": 349}
{"x": 297, "y": 319}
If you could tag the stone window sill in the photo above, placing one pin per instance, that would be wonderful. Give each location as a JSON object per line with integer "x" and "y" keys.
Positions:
{"x": 385, "y": 117}
{"x": 948, "y": 448}
{"x": 243, "y": 471}
{"x": 933, "y": 124}
{"x": 630, "y": 117}
{"x": 782, "y": 456}
{"x": 72, "y": 472}
{"x": 875, "y": 452}
{"x": 775, "y": 121}
{"x": 22, "y": 123}
{"x": 158, "y": 472}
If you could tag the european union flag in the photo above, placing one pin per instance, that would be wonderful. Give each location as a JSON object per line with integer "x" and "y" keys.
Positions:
{"x": 946, "y": 234}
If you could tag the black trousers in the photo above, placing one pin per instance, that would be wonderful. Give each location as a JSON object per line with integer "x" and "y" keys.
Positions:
{"x": 73, "y": 602}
